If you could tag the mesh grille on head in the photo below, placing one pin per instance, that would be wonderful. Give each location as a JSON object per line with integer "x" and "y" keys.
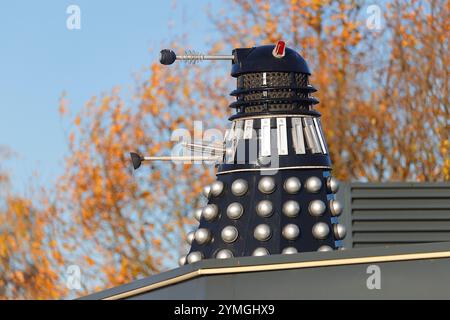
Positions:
{"x": 273, "y": 92}
{"x": 272, "y": 79}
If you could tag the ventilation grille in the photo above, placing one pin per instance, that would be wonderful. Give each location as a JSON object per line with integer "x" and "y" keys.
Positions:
{"x": 387, "y": 214}
{"x": 271, "y": 79}
{"x": 264, "y": 92}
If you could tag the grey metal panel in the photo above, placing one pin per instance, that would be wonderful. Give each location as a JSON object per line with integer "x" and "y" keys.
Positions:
{"x": 400, "y": 280}
{"x": 378, "y": 214}
{"x": 401, "y": 214}
{"x": 410, "y": 279}
{"x": 186, "y": 290}
{"x": 389, "y": 226}
{"x": 399, "y": 237}
{"x": 344, "y": 197}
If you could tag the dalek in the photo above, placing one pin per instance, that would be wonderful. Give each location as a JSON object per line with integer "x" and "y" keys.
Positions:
{"x": 274, "y": 191}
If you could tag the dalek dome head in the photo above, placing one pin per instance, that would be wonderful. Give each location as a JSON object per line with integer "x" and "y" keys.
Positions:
{"x": 268, "y": 58}
{"x": 271, "y": 79}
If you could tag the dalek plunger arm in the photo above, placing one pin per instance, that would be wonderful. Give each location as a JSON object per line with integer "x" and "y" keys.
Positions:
{"x": 137, "y": 159}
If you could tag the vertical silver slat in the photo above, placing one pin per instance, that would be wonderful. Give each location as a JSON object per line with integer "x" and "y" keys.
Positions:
{"x": 297, "y": 136}
{"x": 229, "y": 156}
{"x": 265, "y": 137}
{"x": 229, "y": 147}
{"x": 319, "y": 122}
{"x": 225, "y": 144}
{"x": 264, "y": 84}
{"x": 311, "y": 136}
{"x": 239, "y": 133}
{"x": 239, "y": 130}
{"x": 320, "y": 135}
{"x": 282, "y": 136}
{"x": 230, "y": 136}
{"x": 248, "y": 129}
{"x": 227, "y": 134}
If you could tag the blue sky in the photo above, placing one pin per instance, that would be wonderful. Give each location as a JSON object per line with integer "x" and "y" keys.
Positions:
{"x": 40, "y": 58}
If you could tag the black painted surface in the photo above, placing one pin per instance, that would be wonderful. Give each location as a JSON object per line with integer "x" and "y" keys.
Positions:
{"x": 260, "y": 59}
{"x": 246, "y": 243}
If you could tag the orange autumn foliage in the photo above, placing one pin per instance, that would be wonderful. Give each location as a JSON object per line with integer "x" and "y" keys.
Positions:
{"x": 29, "y": 260}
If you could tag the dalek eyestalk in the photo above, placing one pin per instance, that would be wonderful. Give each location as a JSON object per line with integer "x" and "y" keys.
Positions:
{"x": 168, "y": 57}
